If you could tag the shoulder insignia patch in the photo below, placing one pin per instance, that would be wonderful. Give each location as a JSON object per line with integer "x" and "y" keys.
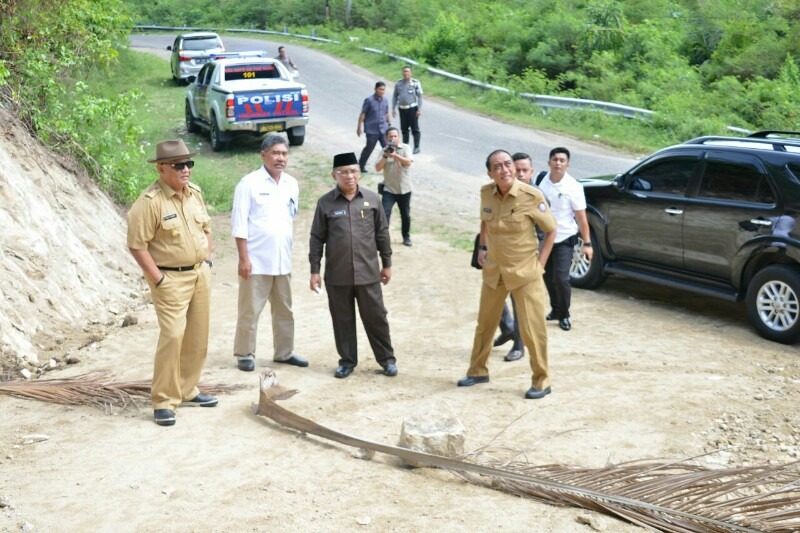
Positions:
{"x": 542, "y": 207}
{"x": 195, "y": 186}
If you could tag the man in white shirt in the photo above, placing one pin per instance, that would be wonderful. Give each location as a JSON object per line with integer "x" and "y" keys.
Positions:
{"x": 264, "y": 206}
{"x": 568, "y": 205}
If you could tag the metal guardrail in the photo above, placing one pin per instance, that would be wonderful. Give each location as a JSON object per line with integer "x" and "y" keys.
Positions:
{"x": 544, "y": 101}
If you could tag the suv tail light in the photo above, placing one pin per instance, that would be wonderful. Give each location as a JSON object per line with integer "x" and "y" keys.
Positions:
{"x": 183, "y": 58}
{"x": 304, "y": 94}
{"x": 229, "y": 108}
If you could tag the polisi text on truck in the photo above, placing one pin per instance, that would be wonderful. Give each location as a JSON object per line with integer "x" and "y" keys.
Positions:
{"x": 267, "y": 98}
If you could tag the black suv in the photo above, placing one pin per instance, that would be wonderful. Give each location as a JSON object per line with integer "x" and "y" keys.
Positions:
{"x": 715, "y": 215}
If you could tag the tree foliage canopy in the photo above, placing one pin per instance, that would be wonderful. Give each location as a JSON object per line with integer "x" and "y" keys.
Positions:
{"x": 46, "y": 50}
{"x": 682, "y": 58}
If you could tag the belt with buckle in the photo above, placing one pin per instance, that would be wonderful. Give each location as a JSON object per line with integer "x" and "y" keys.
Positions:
{"x": 182, "y": 269}
{"x": 409, "y": 106}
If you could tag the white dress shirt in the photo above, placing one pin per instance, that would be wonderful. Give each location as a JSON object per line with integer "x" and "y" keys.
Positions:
{"x": 263, "y": 214}
{"x": 565, "y": 198}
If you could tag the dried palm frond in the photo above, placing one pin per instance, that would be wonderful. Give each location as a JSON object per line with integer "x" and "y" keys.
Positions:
{"x": 96, "y": 389}
{"x": 667, "y": 496}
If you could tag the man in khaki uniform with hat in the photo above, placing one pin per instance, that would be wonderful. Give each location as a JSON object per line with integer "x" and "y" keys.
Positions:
{"x": 511, "y": 260}
{"x": 169, "y": 235}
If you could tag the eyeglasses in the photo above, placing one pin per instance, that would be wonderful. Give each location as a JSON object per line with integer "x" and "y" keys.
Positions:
{"x": 350, "y": 172}
{"x": 181, "y": 165}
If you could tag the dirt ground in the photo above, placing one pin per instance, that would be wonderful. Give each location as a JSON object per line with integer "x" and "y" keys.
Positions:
{"x": 643, "y": 374}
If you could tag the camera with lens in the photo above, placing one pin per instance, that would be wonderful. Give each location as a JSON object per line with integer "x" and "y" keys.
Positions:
{"x": 390, "y": 147}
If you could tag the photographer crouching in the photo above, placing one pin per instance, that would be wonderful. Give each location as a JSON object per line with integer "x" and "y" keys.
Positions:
{"x": 396, "y": 186}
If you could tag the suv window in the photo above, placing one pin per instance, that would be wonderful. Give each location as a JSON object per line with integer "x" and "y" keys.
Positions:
{"x": 204, "y": 43}
{"x": 735, "y": 181}
{"x": 250, "y": 72}
{"x": 668, "y": 176}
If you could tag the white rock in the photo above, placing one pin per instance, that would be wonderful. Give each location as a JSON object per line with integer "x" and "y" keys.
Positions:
{"x": 5, "y": 501}
{"x": 25, "y": 373}
{"x": 594, "y": 522}
{"x": 363, "y": 520}
{"x": 34, "y": 438}
{"x": 435, "y": 429}
{"x": 363, "y": 453}
{"x": 26, "y": 526}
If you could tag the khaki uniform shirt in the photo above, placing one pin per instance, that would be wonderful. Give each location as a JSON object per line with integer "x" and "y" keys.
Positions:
{"x": 513, "y": 248}
{"x": 395, "y": 175}
{"x": 353, "y": 233}
{"x": 171, "y": 229}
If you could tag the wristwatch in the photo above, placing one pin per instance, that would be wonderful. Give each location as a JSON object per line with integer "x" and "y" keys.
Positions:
{"x": 482, "y": 247}
{"x": 587, "y": 244}
{"x": 210, "y": 264}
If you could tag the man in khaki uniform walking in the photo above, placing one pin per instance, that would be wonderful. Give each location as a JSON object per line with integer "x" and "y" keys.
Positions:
{"x": 169, "y": 235}
{"x": 512, "y": 262}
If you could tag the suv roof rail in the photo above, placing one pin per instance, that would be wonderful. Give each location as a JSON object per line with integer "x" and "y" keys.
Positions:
{"x": 775, "y": 134}
{"x": 759, "y": 140}
{"x": 250, "y": 53}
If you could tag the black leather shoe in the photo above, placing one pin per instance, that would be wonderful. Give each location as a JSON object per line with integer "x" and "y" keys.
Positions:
{"x": 407, "y": 241}
{"x": 514, "y": 355}
{"x": 564, "y": 324}
{"x": 246, "y": 364}
{"x": 343, "y": 372}
{"x": 416, "y": 149}
{"x": 503, "y": 338}
{"x": 390, "y": 370}
{"x": 534, "y": 393}
{"x": 164, "y": 417}
{"x": 469, "y": 381}
{"x": 551, "y": 316}
{"x": 295, "y": 360}
{"x": 201, "y": 400}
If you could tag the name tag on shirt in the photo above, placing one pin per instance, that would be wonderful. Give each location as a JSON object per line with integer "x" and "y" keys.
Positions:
{"x": 170, "y": 217}
{"x": 339, "y": 213}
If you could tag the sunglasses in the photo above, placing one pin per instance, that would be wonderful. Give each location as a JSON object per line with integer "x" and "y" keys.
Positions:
{"x": 182, "y": 165}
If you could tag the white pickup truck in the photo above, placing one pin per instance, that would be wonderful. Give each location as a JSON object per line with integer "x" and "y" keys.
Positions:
{"x": 246, "y": 93}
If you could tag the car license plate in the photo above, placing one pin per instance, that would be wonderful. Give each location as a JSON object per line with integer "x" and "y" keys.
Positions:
{"x": 279, "y": 126}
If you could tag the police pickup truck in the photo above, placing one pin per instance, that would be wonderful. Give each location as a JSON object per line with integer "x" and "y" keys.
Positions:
{"x": 246, "y": 93}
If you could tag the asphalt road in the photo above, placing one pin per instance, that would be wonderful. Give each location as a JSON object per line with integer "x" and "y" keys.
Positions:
{"x": 447, "y": 175}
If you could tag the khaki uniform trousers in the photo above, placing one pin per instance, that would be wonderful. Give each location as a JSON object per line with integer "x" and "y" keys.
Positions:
{"x": 182, "y": 307}
{"x": 530, "y": 304}
{"x": 253, "y": 296}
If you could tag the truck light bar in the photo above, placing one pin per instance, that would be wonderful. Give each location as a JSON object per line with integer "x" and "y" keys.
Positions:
{"x": 251, "y": 53}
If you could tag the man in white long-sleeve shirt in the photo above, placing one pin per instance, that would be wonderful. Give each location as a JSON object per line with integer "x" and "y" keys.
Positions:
{"x": 262, "y": 221}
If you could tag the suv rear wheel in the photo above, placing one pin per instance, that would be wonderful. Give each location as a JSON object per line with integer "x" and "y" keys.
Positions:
{"x": 585, "y": 274}
{"x": 773, "y": 303}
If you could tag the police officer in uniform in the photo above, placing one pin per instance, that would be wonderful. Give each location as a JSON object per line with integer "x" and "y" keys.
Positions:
{"x": 512, "y": 262}
{"x": 408, "y": 97}
{"x": 169, "y": 235}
